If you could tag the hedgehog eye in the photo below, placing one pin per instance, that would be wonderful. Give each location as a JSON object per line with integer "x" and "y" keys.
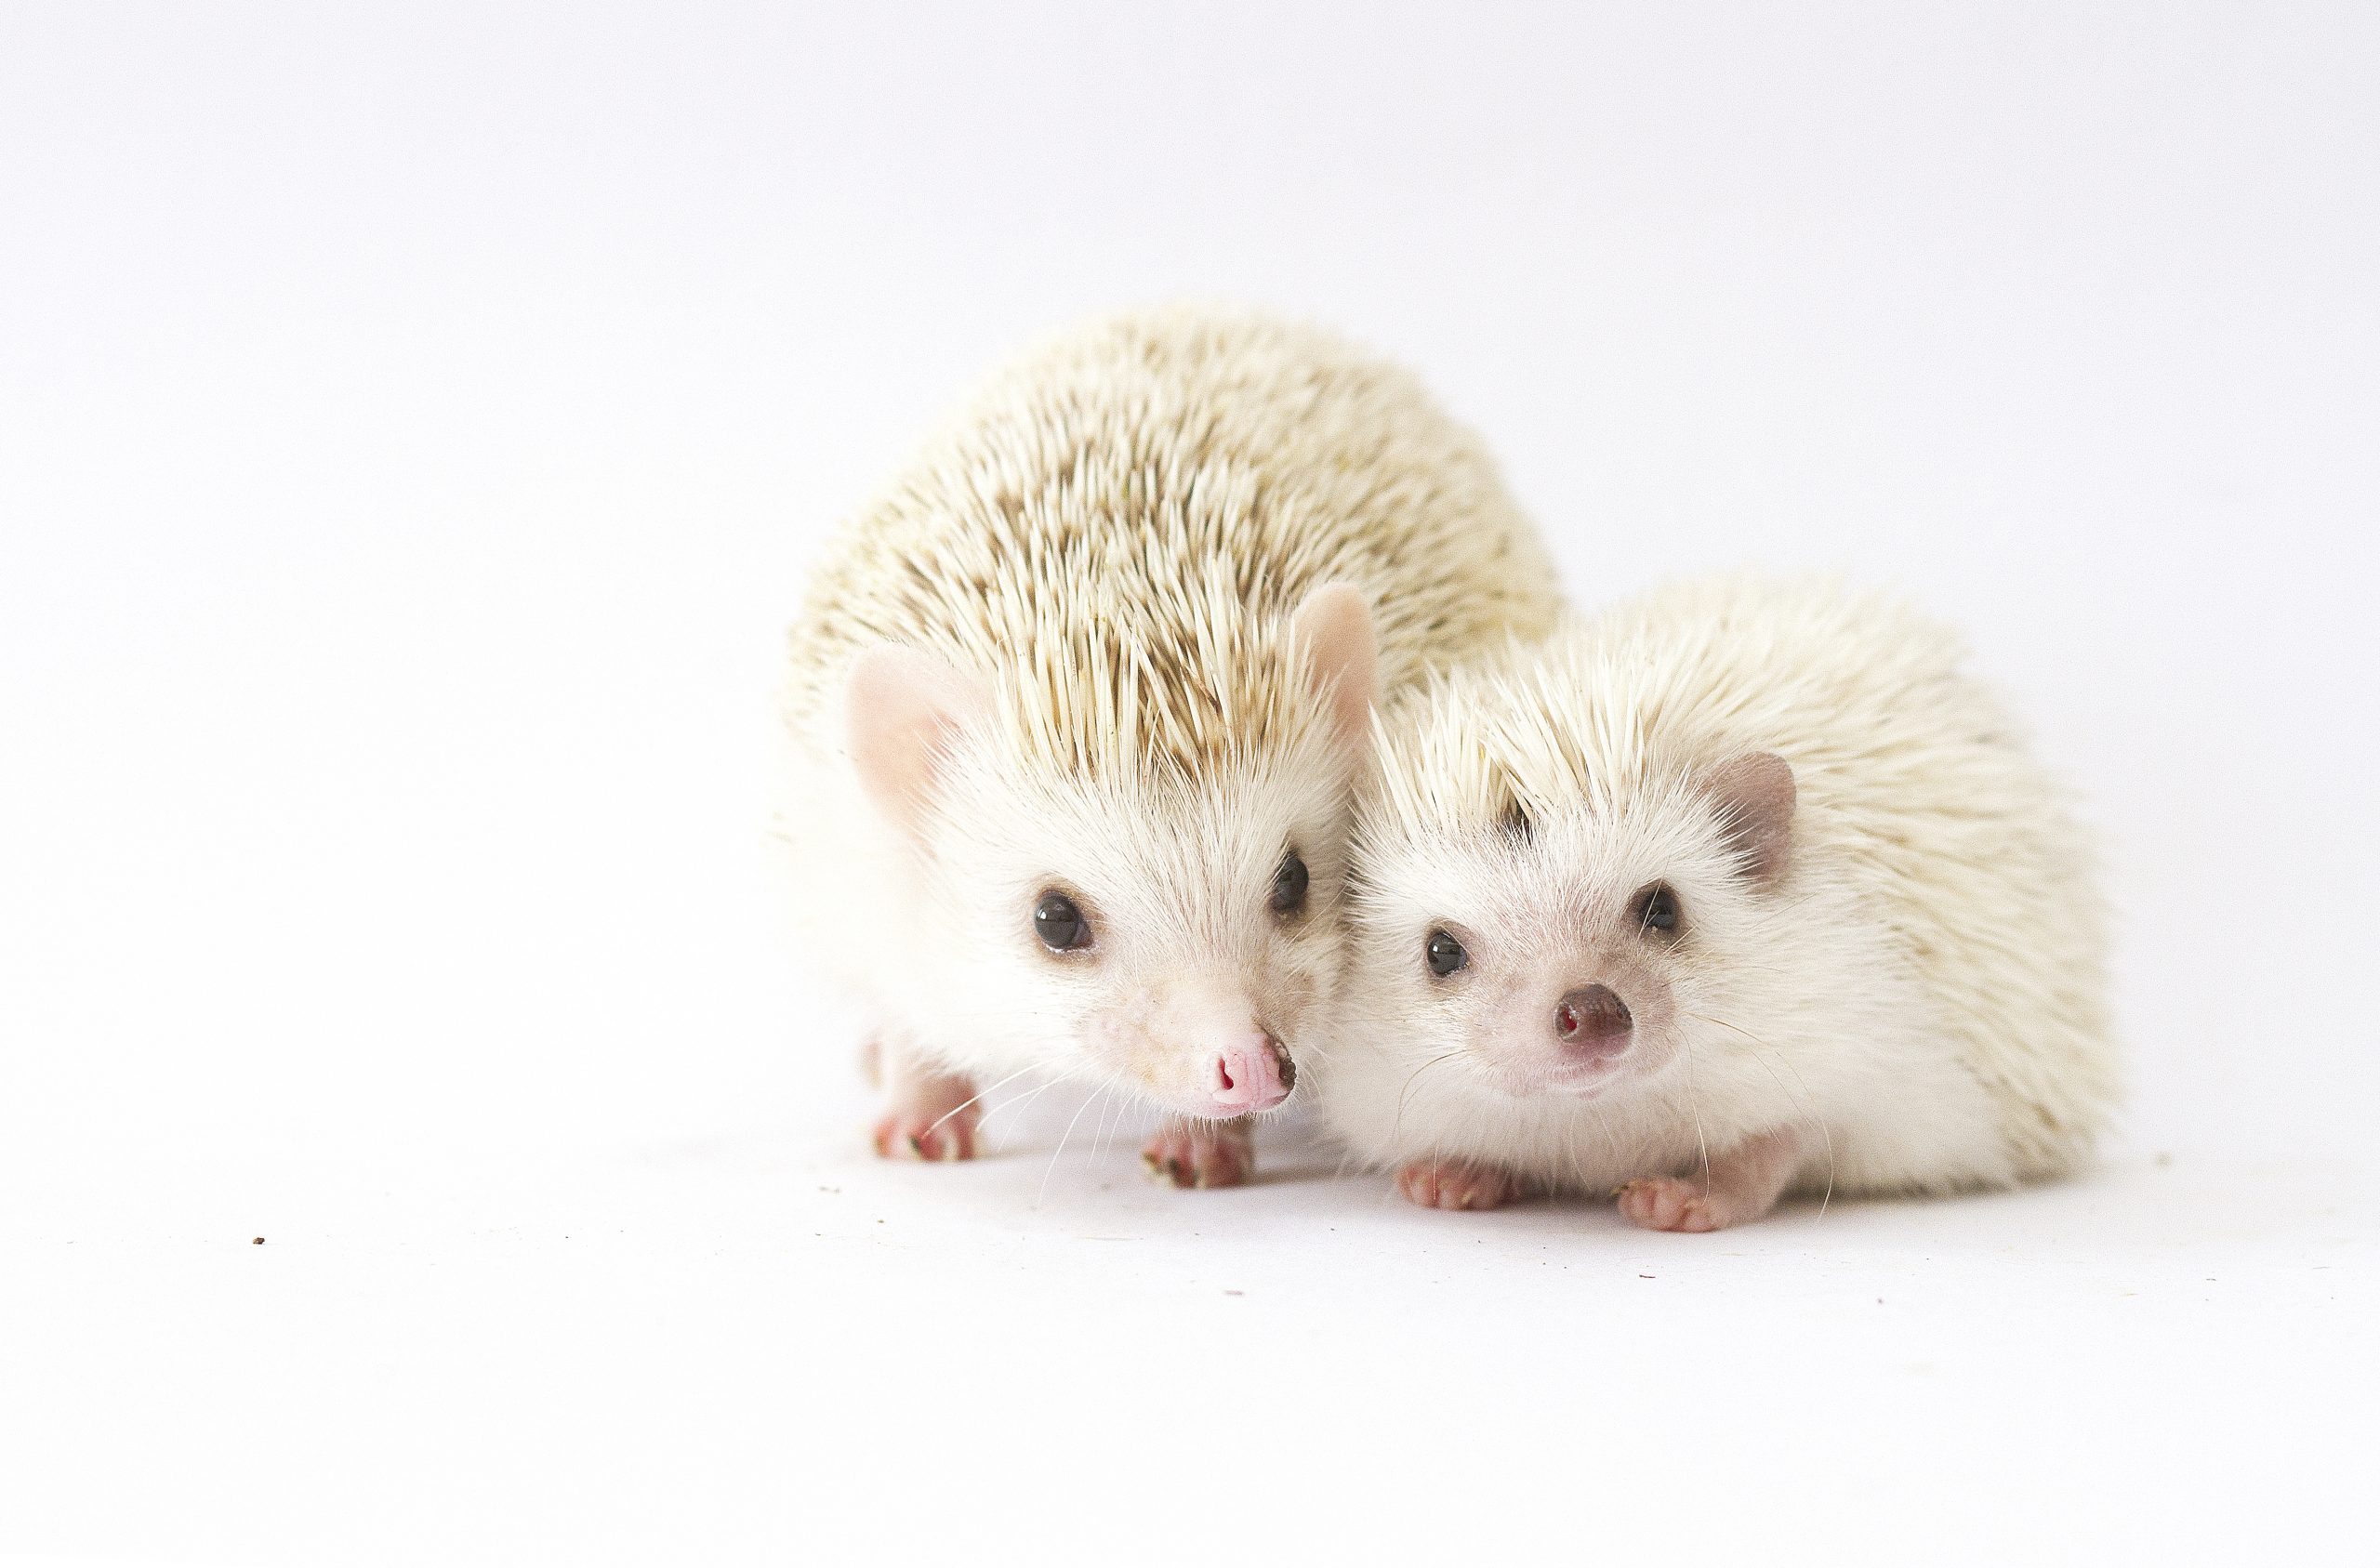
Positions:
{"x": 1059, "y": 924}
{"x": 1445, "y": 955}
{"x": 1656, "y": 909}
{"x": 1289, "y": 885}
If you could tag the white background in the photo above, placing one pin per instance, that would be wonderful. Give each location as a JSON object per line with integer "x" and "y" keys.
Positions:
{"x": 412, "y": 431}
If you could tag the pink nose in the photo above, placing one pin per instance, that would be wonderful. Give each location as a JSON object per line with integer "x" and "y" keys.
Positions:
{"x": 1255, "y": 1075}
{"x": 1593, "y": 1021}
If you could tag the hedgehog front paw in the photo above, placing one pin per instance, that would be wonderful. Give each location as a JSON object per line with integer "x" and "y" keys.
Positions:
{"x": 1443, "y": 1183}
{"x": 929, "y": 1117}
{"x": 1665, "y": 1202}
{"x": 1194, "y": 1153}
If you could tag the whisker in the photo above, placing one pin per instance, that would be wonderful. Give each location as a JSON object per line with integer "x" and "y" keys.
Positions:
{"x": 1029, "y": 1096}
{"x": 1022, "y": 1100}
{"x": 1345, "y": 1160}
{"x": 1109, "y": 1102}
{"x": 1693, "y": 1104}
{"x": 1397, "y": 1126}
{"x": 978, "y": 1095}
{"x": 1062, "y": 1144}
{"x": 1577, "y": 1167}
{"x": 1806, "y": 1105}
{"x": 1610, "y": 1141}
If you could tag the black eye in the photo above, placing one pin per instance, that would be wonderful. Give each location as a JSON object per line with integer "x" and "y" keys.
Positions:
{"x": 1656, "y": 909}
{"x": 1445, "y": 954}
{"x": 1288, "y": 886}
{"x": 1059, "y": 924}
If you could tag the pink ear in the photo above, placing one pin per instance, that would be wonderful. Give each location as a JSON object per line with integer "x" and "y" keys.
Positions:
{"x": 1334, "y": 625}
{"x": 1755, "y": 796}
{"x": 902, "y": 712}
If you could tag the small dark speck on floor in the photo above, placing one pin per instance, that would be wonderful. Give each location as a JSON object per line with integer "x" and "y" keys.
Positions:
{"x": 1643, "y": 1276}
{"x": 255, "y": 1241}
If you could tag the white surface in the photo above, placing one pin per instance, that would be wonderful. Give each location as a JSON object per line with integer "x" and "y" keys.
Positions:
{"x": 411, "y": 433}
{"x": 767, "y": 1346}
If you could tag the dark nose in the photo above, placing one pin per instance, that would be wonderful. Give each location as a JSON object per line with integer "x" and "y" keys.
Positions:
{"x": 1593, "y": 1021}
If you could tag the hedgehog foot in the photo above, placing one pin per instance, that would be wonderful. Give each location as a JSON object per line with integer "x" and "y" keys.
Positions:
{"x": 1444, "y": 1183}
{"x": 1742, "y": 1185}
{"x": 928, "y": 1115}
{"x": 1184, "y": 1153}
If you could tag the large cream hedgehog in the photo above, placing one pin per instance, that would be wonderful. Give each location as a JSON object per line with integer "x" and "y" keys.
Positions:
{"x": 1079, "y": 702}
{"x": 1742, "y": 889}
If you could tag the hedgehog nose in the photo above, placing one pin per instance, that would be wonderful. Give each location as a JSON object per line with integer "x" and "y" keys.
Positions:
{"x": 1250, "y": 1074}
{"x": 1592, "y": 1021}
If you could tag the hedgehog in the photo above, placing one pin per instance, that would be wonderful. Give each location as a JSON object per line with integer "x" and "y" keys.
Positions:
{"x": 1079, "y": 702}
{"x": 1740, "y": 890}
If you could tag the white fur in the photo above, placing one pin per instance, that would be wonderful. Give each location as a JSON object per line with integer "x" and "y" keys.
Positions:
{"x": 1919, "y": 991}
{"x": 1112, "y": 547}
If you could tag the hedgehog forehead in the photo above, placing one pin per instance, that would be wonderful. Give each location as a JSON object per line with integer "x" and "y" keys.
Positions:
{"x": 1574, "y": 871}
{"x": 1174, "y": 847}
{"x": 1660, "y": 836}
{"x": 1522, "y": 811}
{"x": 1184, "y": 696}
{"x": 1542, "y": 739}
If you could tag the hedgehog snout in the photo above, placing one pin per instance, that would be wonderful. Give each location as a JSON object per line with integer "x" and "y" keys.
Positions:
{"x": 1201, "y": 1048}
{"x": 1252, "y": 1074}
{"x": 1592, "y": 1025}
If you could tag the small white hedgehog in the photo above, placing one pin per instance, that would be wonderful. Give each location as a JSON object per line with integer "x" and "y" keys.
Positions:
{"x": 1078, "y": 704}
{"x": 1739, "y": 889}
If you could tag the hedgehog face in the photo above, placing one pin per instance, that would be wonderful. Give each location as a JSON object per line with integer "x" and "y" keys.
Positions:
{"x": 1168, "y": 926}
{"x": 1578, "y": 958}
{"x": 1177, "y": 939}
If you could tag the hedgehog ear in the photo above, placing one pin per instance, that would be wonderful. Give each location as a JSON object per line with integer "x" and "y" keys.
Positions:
{"x": 1755, "y": 795}
{"x": 1334, "y": 625}
{"x": 903, "y": 709}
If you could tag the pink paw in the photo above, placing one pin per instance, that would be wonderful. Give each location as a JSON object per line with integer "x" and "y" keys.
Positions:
{"x": 1189, "y": 1153}
{"x": 929, "y": 1119}
{"x": 1665, "y": 1202}
{"x": 912, "y": 1135}
{"x": 1456, "y": 1184}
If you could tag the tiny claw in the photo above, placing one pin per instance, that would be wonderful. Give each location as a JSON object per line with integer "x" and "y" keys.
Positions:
{"x": 1197, "y": 1156}
{"x": 1456, "y": 1185}
{"x": 931, "y": 1117}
